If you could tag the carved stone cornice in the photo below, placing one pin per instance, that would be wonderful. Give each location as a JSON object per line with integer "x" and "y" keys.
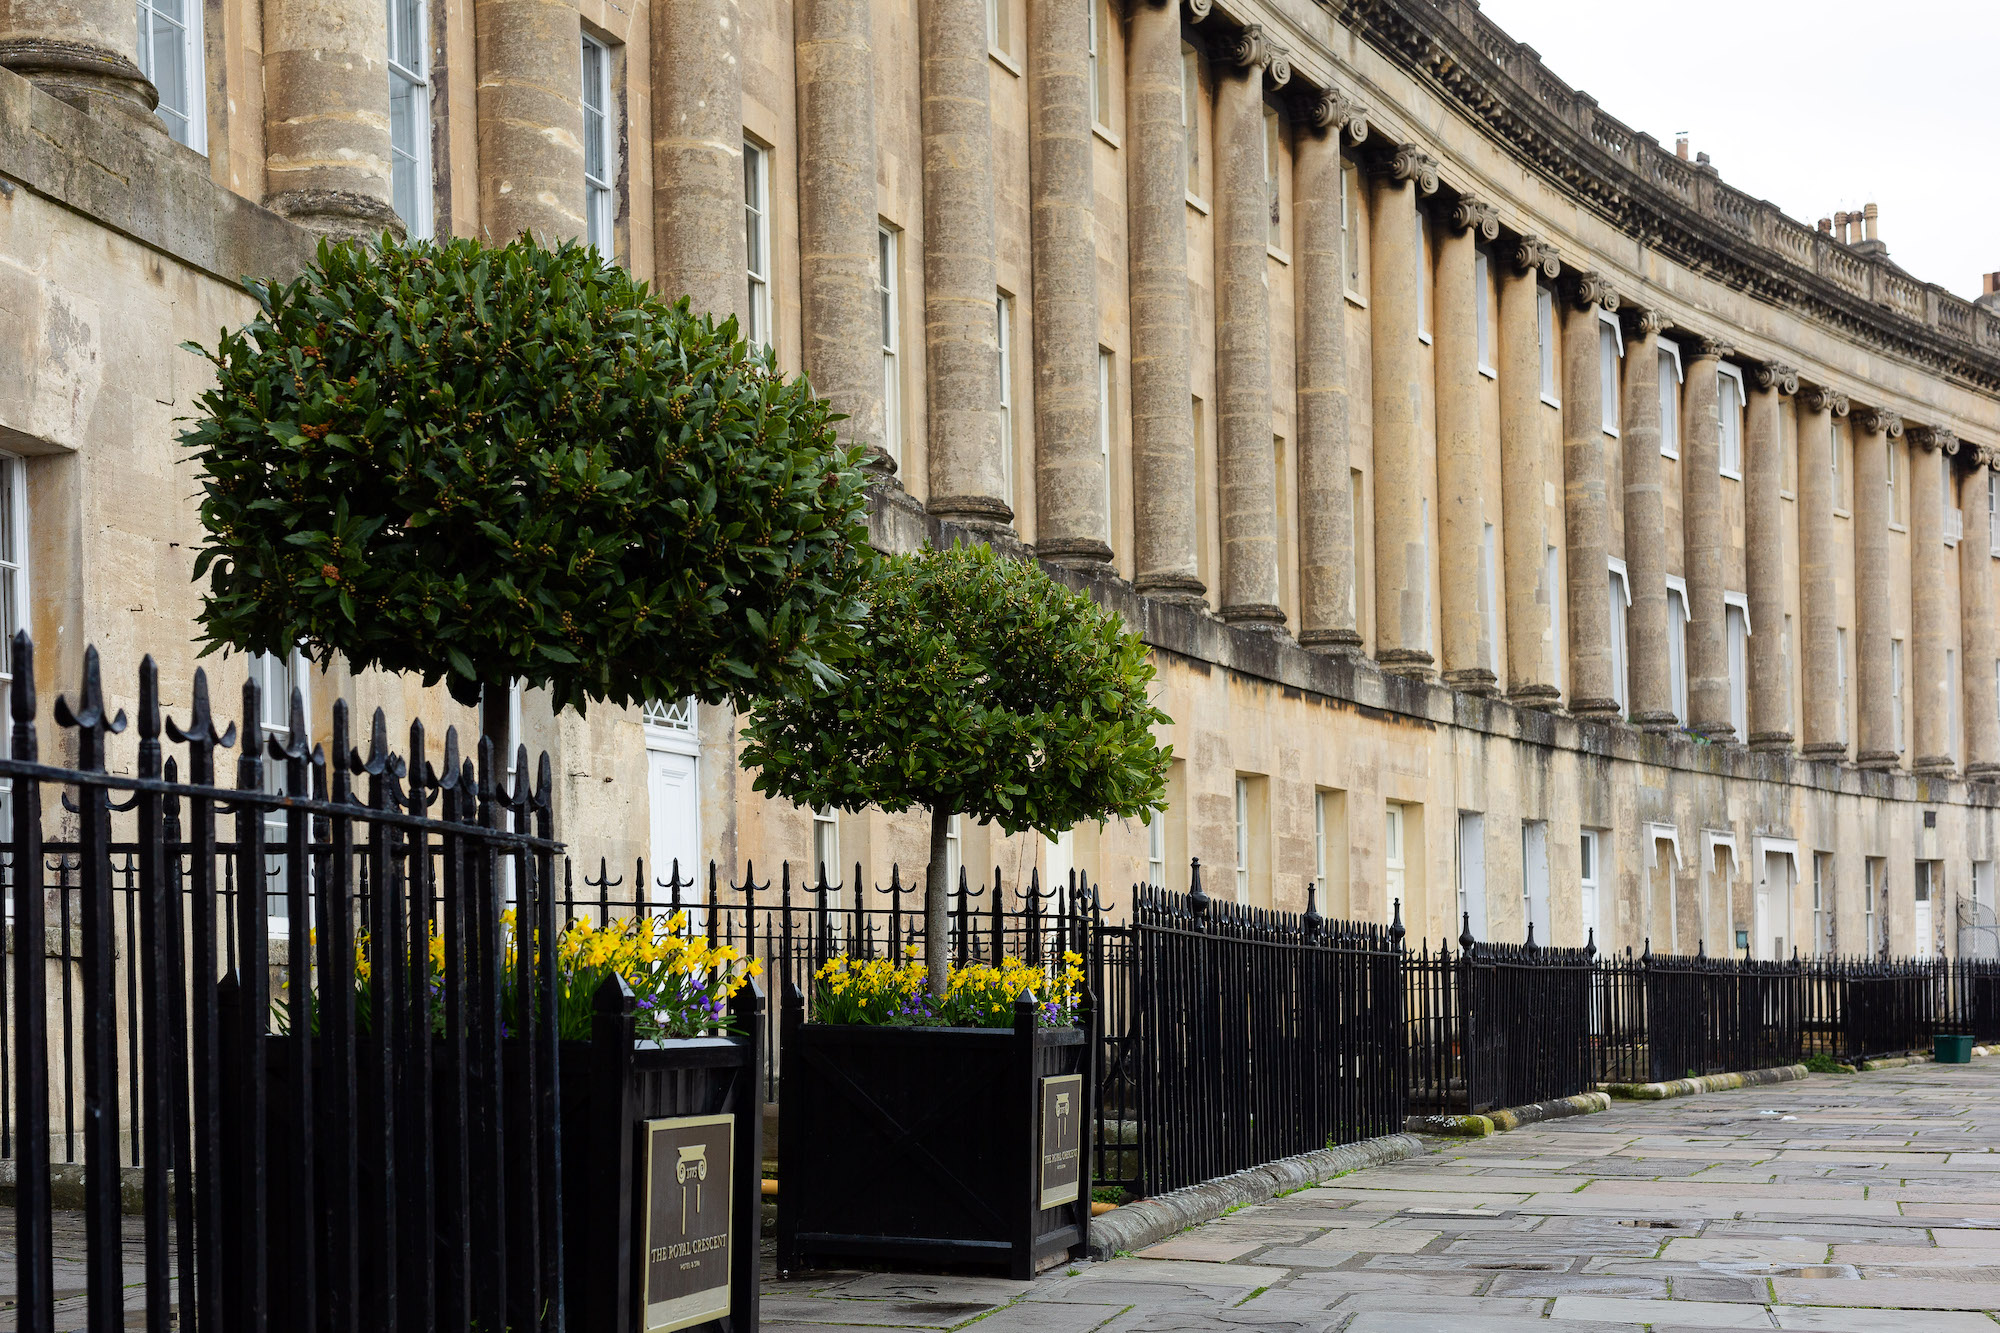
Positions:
{"x": 1410, "y": 163}
{"x": 1936, "y": 436}
{"x": 1476, "y": 216}
{"x": 1591, "y": 288}
{"x": 1772, "y": 375}
{"x": 1501, "y": 87}
{"x": 1643, "y": 322}
{"x": 1879, "y": 421}
{"x": 1705, "y": 347}
{"x": 1336, "y": 111}
{"x": 1532, "y": 252}
{"x": 1820, "y": 398}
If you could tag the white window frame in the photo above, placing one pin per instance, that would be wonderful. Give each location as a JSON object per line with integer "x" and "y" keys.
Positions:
{"x": 1242, "y": 839}
{"x": 1896, "y": 718}
{"x": 1822, "y": 899}
{"x": 954, "y": 855}
{"x": 193, "y": 67}
{"x": 1545, "y": 342}
{"x": 1620, "y": 594}
{"x": 1274, "y": 138}
{"x": 598, "y": 211}
{"x": 997, "y": 27}
{"x": 1191, "y": 118}
{"x": 1840, "y": 676}
{"x": 1319, "y": 847}
{"x": 1003, "y": 334}
{"x": 1729, "y": 427}
{"x": 1472, "y": 871}
{"x": 1610, "y": 351}
{"x": 276, "y": 721}
{"x": 1738, "y": 659}
{"x": 1670, "y": 401}
{"x": 825, "y": 846}
{"x": 1394, "y": 864}
{"x": 1552, "y": 574}
{"x": 1100, "y": 68}
{"x": 15, "y": 613}
{"x": 1482, "y": 312}
{"x": 411, "y": 69}
{"x": 1156, "y": 850}
{"x": 1951, "y": 704}
{"x": 757, "y": 242}
{"x": 1350, "y": 231}
{"x": 1423, "y": 271}
{"x": 1489, "y": 593}
{"x": 1874, "y": 877}
{"x": 1677, "y": 663}
{"x": 1107, "y": 376}
{"x": 888, "y": 244}
{"x": 1590, "y": 875}
{"x": 1993, "y": 512}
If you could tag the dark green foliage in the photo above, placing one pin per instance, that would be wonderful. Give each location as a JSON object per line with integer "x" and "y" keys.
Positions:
{"x": 981, "y": 686}
{"x": 485, "y": 464}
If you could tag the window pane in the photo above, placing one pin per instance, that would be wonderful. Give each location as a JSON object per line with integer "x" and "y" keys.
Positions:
{"x": 1190, "y": 118}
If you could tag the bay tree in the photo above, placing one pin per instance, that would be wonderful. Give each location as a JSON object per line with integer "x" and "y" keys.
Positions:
{"x": 488, "y": 465}
{"x": 979, "y": 686}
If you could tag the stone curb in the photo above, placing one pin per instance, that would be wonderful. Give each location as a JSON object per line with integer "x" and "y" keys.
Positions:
{"x": 1512, "y": 1117}
{"x": 1137, "y": 1225}
{"x": 1688, "y": 1087}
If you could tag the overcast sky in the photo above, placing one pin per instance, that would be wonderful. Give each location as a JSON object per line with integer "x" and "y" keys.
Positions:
{"x": 1817, "y": 107}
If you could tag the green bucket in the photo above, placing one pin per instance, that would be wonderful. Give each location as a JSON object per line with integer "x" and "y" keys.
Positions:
{"x": 1952, "y": 1050}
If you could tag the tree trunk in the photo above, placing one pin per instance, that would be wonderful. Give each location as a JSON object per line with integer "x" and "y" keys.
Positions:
{"x": 937, "y": 946}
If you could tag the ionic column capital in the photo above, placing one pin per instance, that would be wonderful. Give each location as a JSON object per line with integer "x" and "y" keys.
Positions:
{"x": 1879, "y": 421}
{"x": 1336, "y": 111}
{"x": 1409, "y": 163}
{"x": 1250, "y": 49}
{"x": 1590, "y": 288}
{"x": 1641, "y": 322}
{"x": 1702, "y": 347}
{"x": 1940, "y": 437}
{"x": 1775, "y": 376}
{"x": 1822, "y": 398}
{"x": 1199, "y": 9}
{"x": 1532, "y": 252}
{"x": 1476, "y": 216}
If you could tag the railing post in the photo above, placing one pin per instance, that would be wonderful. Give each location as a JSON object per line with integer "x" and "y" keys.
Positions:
{"x": 607, "y": 1292}
{"x": 748, "y": 1007}
{"x": 1030, "y": 1121}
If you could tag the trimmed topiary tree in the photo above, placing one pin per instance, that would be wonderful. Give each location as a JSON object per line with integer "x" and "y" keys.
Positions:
{"x": 485, "y": 465}
{"x": 980, "y": 686}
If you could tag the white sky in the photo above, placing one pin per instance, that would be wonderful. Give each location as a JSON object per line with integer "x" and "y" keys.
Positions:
{"x": 1815, "y": 105}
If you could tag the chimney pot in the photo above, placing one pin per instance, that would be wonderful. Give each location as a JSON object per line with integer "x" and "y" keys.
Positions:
{"x": 1681, "y": 147}
{"x": 1826, "y": 225}
{"x": 1991, "y": 283}
{"x": 1868, "y": 213}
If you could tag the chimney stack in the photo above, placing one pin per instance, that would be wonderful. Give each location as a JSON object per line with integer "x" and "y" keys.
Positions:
{"x": 1826, "y": 225}
{"x": 1681, "y": 146}
{"x": 1869, "y": 212}
{"x": 1989, "y": 298}
{"x": 1840, "y": 227}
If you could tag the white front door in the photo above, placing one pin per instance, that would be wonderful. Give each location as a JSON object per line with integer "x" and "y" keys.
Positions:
{"x": 1925, "y": 943}
{"x": 1774, "y": 903}
{"x": 673, "y": 796}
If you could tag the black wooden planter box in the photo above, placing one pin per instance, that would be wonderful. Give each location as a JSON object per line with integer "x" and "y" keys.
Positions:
{"x": 924, "y": 1145}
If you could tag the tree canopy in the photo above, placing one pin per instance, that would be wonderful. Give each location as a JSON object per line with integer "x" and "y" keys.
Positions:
{"x": 487, "y": 464}
{"x": 980, "y": 686}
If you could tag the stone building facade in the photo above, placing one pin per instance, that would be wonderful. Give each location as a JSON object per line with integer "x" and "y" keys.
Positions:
{"x": 1529, "y": 526}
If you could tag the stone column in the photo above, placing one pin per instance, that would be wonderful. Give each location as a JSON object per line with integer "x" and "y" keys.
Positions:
{"x": 1326, "y": 503}
{"x": 83, "y": 51}
{"x": 1706, "y": 533}
{"x": 1165, "y": 527}
{"x": 1770, "y": 682}
{"x": 1930, "y": 601}
{"x": 1873, "y": 429}
{"x": 961, "y": 348}
{"x": 1073, "y": 524}
{"x": 1648, "y": 668}
{"x": 838, "y": 252}
{"x": 530, "y": 55}
{"x": 1524, "y": 480}
{"x": 1975, "y": 622}
{"x": 698, "y": 238}
{"x": 326, "y": 116}
{"x": 1586, "y": 508}
{"x": 1461, "y": 455}
{"x": 1402, "y": 549}
{"x": 1243, "y": 338}
{"x": 1819, "y": 607}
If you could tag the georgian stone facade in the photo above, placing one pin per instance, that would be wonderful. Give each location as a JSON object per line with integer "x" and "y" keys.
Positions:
{"x": 1527, "y": 523}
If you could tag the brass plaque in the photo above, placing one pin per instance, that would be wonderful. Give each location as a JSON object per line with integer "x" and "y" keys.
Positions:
{"x": 685, "y": 1173}
{"x": 1062, "y": 1139}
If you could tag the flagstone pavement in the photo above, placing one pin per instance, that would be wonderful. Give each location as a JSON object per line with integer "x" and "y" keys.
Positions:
{"x": 1858, "y": 1203}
